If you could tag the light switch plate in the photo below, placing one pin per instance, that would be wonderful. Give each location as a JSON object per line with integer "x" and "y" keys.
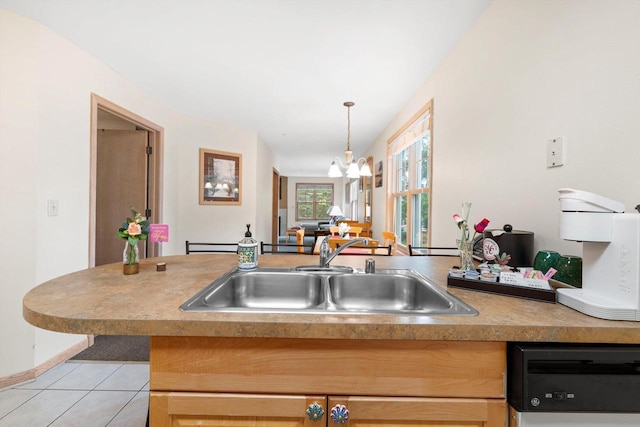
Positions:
{"x": 555, "y": 152}
{"x": 52, "y": 207}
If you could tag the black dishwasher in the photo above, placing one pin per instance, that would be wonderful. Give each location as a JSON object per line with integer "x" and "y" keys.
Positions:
{"x": 567, "y": 384}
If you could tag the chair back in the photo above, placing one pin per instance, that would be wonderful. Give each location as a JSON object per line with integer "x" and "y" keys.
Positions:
{"x": 389, "y": 238}
{"x": 367, "y": 250}
{"x": 212, "y": 248}
{"x": 433, "y": 251}
{"x": 285, "y": 249}
{"x": 355, "y": 230}
{"x": 365, "y": 227}
{"x": 300, "y": 240}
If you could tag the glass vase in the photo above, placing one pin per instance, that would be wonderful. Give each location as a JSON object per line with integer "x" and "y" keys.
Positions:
{"x": 130, "y": 258}
{"x": 466, "y": 255}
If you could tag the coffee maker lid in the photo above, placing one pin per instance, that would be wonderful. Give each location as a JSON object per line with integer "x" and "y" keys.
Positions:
{"x": 582, "y": 201}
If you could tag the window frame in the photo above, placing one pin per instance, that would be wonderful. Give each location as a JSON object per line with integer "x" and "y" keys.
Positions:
{"x": 315, "y": 187}
{"x": 409, "y": 137}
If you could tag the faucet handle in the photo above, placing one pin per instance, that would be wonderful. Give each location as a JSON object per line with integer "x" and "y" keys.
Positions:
{"x": 370, "y": 266}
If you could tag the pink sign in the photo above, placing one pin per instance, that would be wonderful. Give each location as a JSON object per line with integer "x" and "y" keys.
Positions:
{"x": 158, "y": 233}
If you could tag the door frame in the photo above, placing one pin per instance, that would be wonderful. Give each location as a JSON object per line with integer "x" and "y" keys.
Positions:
{"x": 156, "y": 141}
{"x": 275, "y": 204}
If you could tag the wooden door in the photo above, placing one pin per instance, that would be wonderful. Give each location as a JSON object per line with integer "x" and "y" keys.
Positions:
{"x": 232, "y": 410}
{"x": 419, "y": 412}
{"x": 121, "y": 182}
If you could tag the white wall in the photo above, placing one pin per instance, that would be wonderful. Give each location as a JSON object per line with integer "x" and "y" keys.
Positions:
{"x": 46, "y": 86}
{"x": 528, "y": 71}
{"x": 217, "y": 223}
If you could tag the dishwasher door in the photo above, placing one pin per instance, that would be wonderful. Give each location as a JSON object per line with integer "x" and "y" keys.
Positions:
{"x": 573, "y": 385}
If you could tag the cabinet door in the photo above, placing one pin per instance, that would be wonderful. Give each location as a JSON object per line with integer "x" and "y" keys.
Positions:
{"x": 419, "y": 412}
{"x": 170, "y": 409}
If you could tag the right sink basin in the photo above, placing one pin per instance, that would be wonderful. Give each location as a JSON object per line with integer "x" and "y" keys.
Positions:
{"x": 393, "y": 292}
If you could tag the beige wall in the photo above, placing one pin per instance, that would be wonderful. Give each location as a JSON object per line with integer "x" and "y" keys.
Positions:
{"x": 44, "y": 154}
{"x": 526, "y": 72}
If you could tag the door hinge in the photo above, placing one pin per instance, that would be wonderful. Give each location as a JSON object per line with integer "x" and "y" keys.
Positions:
{"x": 147, "y": 213}
{"x": 149, "y": 150}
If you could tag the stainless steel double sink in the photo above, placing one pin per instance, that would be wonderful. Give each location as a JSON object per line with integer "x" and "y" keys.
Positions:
{"x": 326, "y": 290}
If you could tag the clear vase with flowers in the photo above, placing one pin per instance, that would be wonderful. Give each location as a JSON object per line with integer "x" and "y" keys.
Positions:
{"x": 464, "y": 243}
{"x": 133, "y": 230}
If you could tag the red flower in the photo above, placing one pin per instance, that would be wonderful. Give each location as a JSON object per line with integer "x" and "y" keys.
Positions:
{"x": 479, "y": 227}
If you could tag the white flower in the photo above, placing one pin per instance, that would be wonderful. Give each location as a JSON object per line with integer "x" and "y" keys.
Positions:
{"x": 343, "y": 228}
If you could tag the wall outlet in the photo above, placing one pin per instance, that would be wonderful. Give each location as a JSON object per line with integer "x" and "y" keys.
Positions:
{"x": 52, "y": 207}
{"x": 555, "y": 152}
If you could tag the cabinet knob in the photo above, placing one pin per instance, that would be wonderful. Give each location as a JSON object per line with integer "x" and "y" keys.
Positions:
{"x": 339, "y": 414}
{"x": 315, "y": 412}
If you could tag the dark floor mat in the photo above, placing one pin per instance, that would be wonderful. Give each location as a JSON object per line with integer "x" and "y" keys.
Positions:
{"x": 117, "y": 348}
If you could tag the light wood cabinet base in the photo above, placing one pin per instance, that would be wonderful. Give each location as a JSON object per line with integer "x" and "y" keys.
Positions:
{"x": 257, "y": 382}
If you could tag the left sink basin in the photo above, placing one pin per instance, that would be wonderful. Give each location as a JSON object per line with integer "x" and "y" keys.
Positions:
{"x": 260, "y": 290}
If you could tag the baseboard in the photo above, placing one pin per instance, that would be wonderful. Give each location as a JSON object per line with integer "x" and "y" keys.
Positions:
{"x": 34, "y": 373}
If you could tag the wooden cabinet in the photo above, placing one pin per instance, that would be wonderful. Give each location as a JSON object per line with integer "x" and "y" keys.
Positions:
{"x": 232, "y": 410}
{"x": 243, "y": 382}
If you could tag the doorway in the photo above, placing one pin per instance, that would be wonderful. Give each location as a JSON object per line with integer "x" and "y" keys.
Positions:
{"x": 112, "y": 168}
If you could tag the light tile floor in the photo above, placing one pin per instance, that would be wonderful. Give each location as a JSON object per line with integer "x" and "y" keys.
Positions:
{"x": 87, "y": 394}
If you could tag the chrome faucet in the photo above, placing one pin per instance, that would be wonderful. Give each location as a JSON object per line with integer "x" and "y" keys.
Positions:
{"x": 326, "y": 255}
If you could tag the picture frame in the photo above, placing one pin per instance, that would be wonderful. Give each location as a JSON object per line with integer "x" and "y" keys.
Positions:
{"x": 378, "y": 174}
{"x": 220, "y": 180}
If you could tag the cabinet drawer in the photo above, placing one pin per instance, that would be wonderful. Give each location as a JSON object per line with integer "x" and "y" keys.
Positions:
{"x": 342, "y": 367}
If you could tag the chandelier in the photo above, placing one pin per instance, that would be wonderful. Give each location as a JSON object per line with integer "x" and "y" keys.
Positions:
{"x": 351, "y": 165}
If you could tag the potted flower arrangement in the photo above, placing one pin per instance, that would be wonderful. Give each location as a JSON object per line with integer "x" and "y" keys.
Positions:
{"x": 133, "y": 230}
{"x": 464, "y": 243}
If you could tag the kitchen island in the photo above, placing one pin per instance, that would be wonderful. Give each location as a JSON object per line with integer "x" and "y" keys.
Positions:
{"x": 267, "y": 369}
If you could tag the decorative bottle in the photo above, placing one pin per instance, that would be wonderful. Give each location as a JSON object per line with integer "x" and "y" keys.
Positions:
{"x": 247, "y": 252}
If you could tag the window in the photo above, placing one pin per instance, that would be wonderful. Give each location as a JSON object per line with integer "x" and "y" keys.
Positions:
{"x": 313, "y": 201}
{"x": 409, "y": 179}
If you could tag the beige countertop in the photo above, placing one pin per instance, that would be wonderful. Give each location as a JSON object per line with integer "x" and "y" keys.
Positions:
{"x": 103, "y": 301}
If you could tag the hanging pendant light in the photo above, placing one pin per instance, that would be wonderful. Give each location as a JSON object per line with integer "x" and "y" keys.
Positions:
{"x": 351, "y": 165}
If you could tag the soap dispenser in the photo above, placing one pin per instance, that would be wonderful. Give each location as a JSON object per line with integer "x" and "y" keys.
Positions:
{"x": 247, "y": 252}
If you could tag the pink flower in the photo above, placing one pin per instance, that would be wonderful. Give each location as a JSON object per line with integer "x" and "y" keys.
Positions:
{"x": 458, "y": 219}
{"x": 479, "y": 227}
{"x": 134, "y": 229}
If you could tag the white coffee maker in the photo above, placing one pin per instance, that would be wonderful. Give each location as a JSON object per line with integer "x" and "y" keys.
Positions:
{"x": 610, "y": 257}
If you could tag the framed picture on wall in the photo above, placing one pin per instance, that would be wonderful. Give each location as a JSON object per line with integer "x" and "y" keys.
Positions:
{"x": 378, "y": 174}
{"x": 220, "y": 178}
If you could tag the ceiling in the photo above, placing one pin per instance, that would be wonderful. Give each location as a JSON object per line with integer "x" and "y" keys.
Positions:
{"x": 280, "y": 67}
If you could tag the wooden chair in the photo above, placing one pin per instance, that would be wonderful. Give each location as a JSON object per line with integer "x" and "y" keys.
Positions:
{"x": 429, "y": 251}
{"x": 365, "y": 227}
{"x": 367, "y": 250}
{"x": 212, "y": 248}
{"x": 334, "y": 229}
{"x": 390, "y": 238}
{"x": 355, "y": 230}
{"x": 285, "y": 249}
{"x": 334, "y": 243}
{"x": 300, "y": 240}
